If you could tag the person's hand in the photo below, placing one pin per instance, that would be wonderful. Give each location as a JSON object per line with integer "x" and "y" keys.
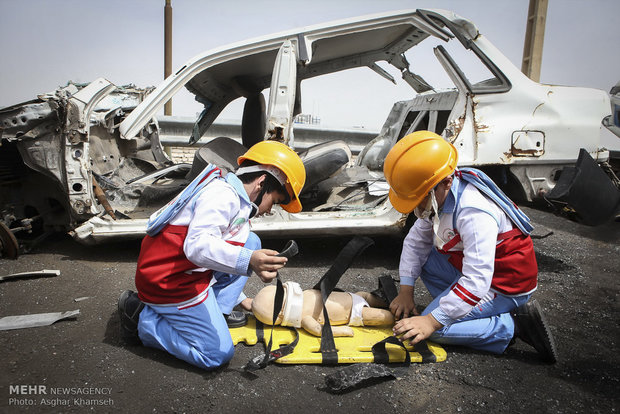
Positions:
{"x": 265, "y": 264}
{"x": 403, "y": 304}
{"x": 416, "y": 328}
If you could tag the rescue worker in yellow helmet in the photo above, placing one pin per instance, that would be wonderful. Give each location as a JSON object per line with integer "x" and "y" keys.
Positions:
{"x": 199, "y": 252}
{"x": 471, "y": 247}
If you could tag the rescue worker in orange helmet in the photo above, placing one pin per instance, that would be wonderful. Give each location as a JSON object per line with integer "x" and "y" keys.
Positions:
{"x": 471, "y": 247}
{"x": 199, "y": 252}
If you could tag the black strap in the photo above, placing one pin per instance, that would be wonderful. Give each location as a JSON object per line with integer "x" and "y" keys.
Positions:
{"x": 387, "y": 285}
{"x": 290, "y": 249}
{"x": 260, "y": 331}
{"x": 327, "y": 284}
{"x": 357, "y": 375}
{"x": 380, "y": 353}
{"x": 426, "y": 354}
{"x": 259, "y": 362}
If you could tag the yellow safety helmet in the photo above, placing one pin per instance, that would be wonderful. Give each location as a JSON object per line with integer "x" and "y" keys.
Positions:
{"x": 416, "y": 164}
{"x": 286, "y": 160}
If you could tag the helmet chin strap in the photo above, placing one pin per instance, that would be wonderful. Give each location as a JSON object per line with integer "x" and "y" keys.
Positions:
{"x": 425, "y": 211}
{"x": 435, "y": 207}
{"x": 430, "y": 209}
{"x": 254, "y": 210}
{"x": 257, "y": 202}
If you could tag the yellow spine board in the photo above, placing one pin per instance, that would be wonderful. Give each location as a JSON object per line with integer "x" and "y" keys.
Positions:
{"x": 353, "y": 349}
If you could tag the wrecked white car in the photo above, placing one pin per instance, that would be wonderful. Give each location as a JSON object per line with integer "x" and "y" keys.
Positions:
{"x": 88, "y": 159}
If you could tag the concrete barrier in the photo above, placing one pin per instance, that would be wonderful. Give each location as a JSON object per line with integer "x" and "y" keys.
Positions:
{"x": 175, "y": 132}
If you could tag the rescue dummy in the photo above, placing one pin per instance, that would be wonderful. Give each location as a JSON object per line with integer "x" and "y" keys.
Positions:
{"x": 304, "y": 309}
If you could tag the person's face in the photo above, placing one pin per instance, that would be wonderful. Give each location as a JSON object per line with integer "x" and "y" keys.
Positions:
{"x": 269, "y": 199}
{"x": 441, "y": 192}
{"x": 424, "y": 202}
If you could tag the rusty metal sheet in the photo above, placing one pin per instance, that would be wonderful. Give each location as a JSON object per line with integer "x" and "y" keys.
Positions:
{"x": 527, "y": 143}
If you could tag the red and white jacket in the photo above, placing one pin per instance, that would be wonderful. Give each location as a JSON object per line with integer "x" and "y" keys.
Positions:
{"x": 176, "y": 266}
{"x": 493, "y": 255}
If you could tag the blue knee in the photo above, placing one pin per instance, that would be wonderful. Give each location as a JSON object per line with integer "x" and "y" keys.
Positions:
{"x": 213, "y": 358}
{"x": 223, "y": 356}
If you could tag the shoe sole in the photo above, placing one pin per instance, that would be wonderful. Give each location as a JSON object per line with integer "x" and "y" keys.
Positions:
{"x": 121, "y": 301}
{"x": 128, "y": 335}
{"x": 542, "y": 333}
{"x": 237, "y": 324}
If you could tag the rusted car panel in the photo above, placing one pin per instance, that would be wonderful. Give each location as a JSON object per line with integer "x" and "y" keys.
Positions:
{"x": 88, "y": 159}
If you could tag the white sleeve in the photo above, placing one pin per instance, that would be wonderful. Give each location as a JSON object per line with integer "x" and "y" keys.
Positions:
{"x": 204, "y": 245}
{"x": 478, "y": 230}
{"x": 416, "y": 249}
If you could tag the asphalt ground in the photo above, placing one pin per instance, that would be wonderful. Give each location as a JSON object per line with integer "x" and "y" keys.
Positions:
{"x": 84, "y": 357}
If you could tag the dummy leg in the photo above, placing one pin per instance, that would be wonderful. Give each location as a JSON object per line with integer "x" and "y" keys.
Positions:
{"x": 377, "y": 317}
{"x": 229, "y": 288}
{"x": 373, "y": 301}
{"x": 197, "y": 335}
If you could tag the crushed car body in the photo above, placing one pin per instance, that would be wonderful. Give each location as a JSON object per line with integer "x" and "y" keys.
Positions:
{"x": 88, "y": 158}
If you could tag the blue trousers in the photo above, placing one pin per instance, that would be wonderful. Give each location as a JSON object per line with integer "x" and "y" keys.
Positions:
{"x": 488, "y": 327}
{"x": 199, "y": 334}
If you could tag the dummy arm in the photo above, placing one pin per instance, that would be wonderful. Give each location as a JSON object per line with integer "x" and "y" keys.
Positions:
{"x": 312, "y": 326}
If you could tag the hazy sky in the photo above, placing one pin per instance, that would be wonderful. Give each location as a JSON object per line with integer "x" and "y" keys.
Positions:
{"x": 45, "y": 43}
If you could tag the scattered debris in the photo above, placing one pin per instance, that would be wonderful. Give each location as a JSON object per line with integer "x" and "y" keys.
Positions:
{"x": 541, "y": 236}
{"x": 37, "y": 273}
{"x": 9, "y": 246}
{"x": 81, "y": 298}
{"x": 359, "y": 375}
{"x": 34, "y": 320}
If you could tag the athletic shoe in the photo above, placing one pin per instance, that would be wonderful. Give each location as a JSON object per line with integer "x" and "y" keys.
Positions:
{"x": 532, "y": 328}
{"x": 129, "y": 308}
{"x": 236, "y": 319}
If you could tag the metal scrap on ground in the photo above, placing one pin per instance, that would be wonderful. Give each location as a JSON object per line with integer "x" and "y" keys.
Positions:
{"x": 43, "y": 273}
{"x": 34, "y": 320}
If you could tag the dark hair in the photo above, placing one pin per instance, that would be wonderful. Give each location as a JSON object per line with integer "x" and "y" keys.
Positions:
{"x": 270, "y": 184}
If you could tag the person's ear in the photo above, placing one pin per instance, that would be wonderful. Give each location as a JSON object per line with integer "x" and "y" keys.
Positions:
{"x": 261, "y": 181}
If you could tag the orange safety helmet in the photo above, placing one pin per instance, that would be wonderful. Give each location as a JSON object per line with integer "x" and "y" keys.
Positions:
{"x": 416, "y": 164}
{"x": 286, "y": 160}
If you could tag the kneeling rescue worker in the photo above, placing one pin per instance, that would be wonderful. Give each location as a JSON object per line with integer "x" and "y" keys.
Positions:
{"x": 195, "y": 261}
{"x": 470, "y": 246}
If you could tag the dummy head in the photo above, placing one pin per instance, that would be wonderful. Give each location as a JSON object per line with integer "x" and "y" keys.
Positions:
{"x": 262, "y": 305}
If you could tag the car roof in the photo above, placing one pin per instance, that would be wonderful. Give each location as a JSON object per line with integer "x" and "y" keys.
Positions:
{"x": 218, "y": 76}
